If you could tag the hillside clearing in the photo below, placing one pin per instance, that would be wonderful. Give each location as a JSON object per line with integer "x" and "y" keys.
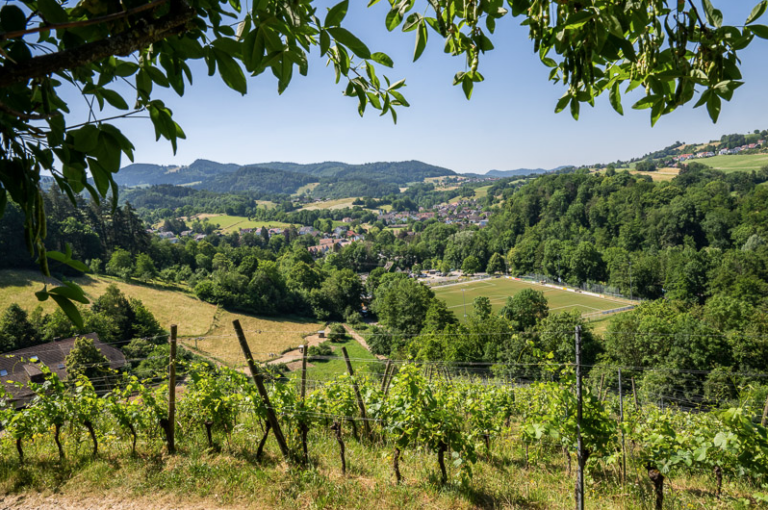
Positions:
{"x": 737, "y": 162}
{"x": 340, "y": 203}
{"x": 267, "y": 337}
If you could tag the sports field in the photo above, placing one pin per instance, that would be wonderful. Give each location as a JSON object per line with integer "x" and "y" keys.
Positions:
{"x": 498, "y": 289}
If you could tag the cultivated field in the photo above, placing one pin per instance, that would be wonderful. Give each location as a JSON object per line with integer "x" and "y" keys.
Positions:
{"x": 737, "y": 162}
{"x": 340, "y": 203}
{"x": 235, "y": 223}
{"x": 499, "y": 289}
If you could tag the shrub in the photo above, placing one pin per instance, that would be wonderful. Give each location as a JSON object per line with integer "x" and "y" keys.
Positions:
{"x": 338, "y": 333}
{"x": 324, "y": 349}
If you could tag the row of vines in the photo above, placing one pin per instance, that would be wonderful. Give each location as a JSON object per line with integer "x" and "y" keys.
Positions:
{"x": 458, "y": 419}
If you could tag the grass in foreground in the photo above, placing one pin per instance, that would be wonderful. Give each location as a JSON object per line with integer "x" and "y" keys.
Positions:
{"x": 230, "y": 477}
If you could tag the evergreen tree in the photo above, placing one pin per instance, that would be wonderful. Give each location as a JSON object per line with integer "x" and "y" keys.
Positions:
{"x": 85, "y": 359}
{"x": 16, "y": 331}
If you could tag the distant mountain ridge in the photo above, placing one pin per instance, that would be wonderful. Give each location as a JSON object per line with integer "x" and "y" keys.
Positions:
{"x": 334, "y": 179}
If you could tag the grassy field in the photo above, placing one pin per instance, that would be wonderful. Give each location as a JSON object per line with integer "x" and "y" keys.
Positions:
{"x": 323, "y": 370}
{"x": 340, "y": 203}
{"x": 737, "y": 162}
{"x": 235, "y": 223}
{"x": 266, "y": 336}
{"x": 499, "y": 289}
{"x": 266, "y": 203}
{"x": 174, "y": 305}
{"x": 307, "y": 188}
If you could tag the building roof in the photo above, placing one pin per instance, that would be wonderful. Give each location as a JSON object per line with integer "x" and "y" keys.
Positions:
{"x": 23, "y": 365}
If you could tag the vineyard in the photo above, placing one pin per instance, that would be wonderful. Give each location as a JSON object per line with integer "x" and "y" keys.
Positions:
{"x": 457, "y": 427}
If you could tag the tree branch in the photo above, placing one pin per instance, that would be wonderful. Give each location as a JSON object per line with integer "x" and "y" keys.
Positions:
{"x": 26, "y": 116}
{"x": 83, "y": 23}
{"x": 122, "y": 44}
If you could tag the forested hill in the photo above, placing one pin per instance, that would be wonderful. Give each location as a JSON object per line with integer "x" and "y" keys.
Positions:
{"x": 258, "y": 180}
{"x": 336, "y": 180}
{"x": 144, "y": 174}
{"x": 702, "y": 234}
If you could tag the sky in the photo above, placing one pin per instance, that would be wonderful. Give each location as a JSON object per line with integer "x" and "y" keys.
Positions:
{"x": 509, "y": 123}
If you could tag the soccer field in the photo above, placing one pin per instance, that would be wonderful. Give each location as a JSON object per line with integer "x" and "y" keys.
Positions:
{"x": 498, "y": 289}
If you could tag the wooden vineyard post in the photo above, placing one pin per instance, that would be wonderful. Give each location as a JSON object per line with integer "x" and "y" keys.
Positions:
{"x": 170, "y": 430}
{"x": 258, "y": 381}
{"x": 579, "y": 440}
{"x": 765, "y": 413}
{"x": 360, "y": 404}
{"x": 304, "y": 426}
{"x": 634, "y": 394}
{"x": 623, "y": 443}
{"x": 386, "y": 373}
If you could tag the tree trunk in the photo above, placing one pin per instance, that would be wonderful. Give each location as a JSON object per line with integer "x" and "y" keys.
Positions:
{"x": 396, "y": 465}
{"x": 92, "y": 432}
{"x": 263, "y": 441}
{"x": 658, "y": 483}
{"x": 354, "y": 430}
{"x": 336, "y": 428}
{"x": 20, "y": 449}
{"x": 441, "y": 449}
{"x": 719, "y": 478}
{"x": 487, "y": 440}
{"x": 568, "y": 460}
{"x": 56, "y": 432}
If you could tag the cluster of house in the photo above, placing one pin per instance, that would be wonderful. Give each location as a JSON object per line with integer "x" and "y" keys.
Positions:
{"x": 18, "y": 368}
{"x": 721, "y": 152}
{"x": 463, "y": 212}
{"x": 173, "y": 238}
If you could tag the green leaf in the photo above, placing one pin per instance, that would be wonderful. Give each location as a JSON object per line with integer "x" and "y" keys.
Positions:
{"x": 86, "y": 138}
{"x": 382, "y": 58}
{"x": 725, "y": 88}
{"x": 713, "y": 107}
{"x": 759, "y": 30}
{"x": 578, "y": 20}
{"x": 52, "y": 11}
{"x": 12, "y": 18}
{"x": 114, "y": 99}
{"x": 615, "y": 98}
{"x": 70, "y": 291}
{"x": 345, "y": 37}
{"x": 325, "y": 42}
{"x": 69, "y": 309}
{"x": 757, "y": 12}
{"x": 467, "y": 85}
{"x": 67, "y": 259}
{"x": 394, "y": 17}
{"x": 230, "y": 71}
{"x": 336, "y": 14}
{"x": 575, "y": 108}
{"x": 421, "y": 41}
{"x": 714, "y": 17}
{"x": 646, "y": 102}
{"x": 562, "y": 103}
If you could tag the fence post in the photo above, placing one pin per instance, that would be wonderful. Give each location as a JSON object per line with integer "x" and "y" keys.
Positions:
{"x": 579, "y": 441}
{"x": 623, "y": 444}
{"x": 765, "y": 413}
{"x": 258, "y": 380}
{"x": 304, "y": 426}
{"x": 171, "y": 425}
{"x": 359, "y": 397}
{"x": 386, "y": 373}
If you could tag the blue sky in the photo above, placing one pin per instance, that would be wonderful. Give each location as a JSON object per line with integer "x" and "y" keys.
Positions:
{"x": 509, "y": 123}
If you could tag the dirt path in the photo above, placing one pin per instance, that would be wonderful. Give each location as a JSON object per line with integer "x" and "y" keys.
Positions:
{"x": 38, "y": 501}
{"x": 357, "y": 336}
{"x": 296, "y": 354}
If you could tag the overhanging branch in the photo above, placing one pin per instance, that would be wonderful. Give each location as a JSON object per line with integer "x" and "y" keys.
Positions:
{"x": 122, "y": 44}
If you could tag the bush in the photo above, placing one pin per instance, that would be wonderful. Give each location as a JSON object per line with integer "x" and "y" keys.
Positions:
{"x": 324, "y": 349}
{"x": 337, "y": 334}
